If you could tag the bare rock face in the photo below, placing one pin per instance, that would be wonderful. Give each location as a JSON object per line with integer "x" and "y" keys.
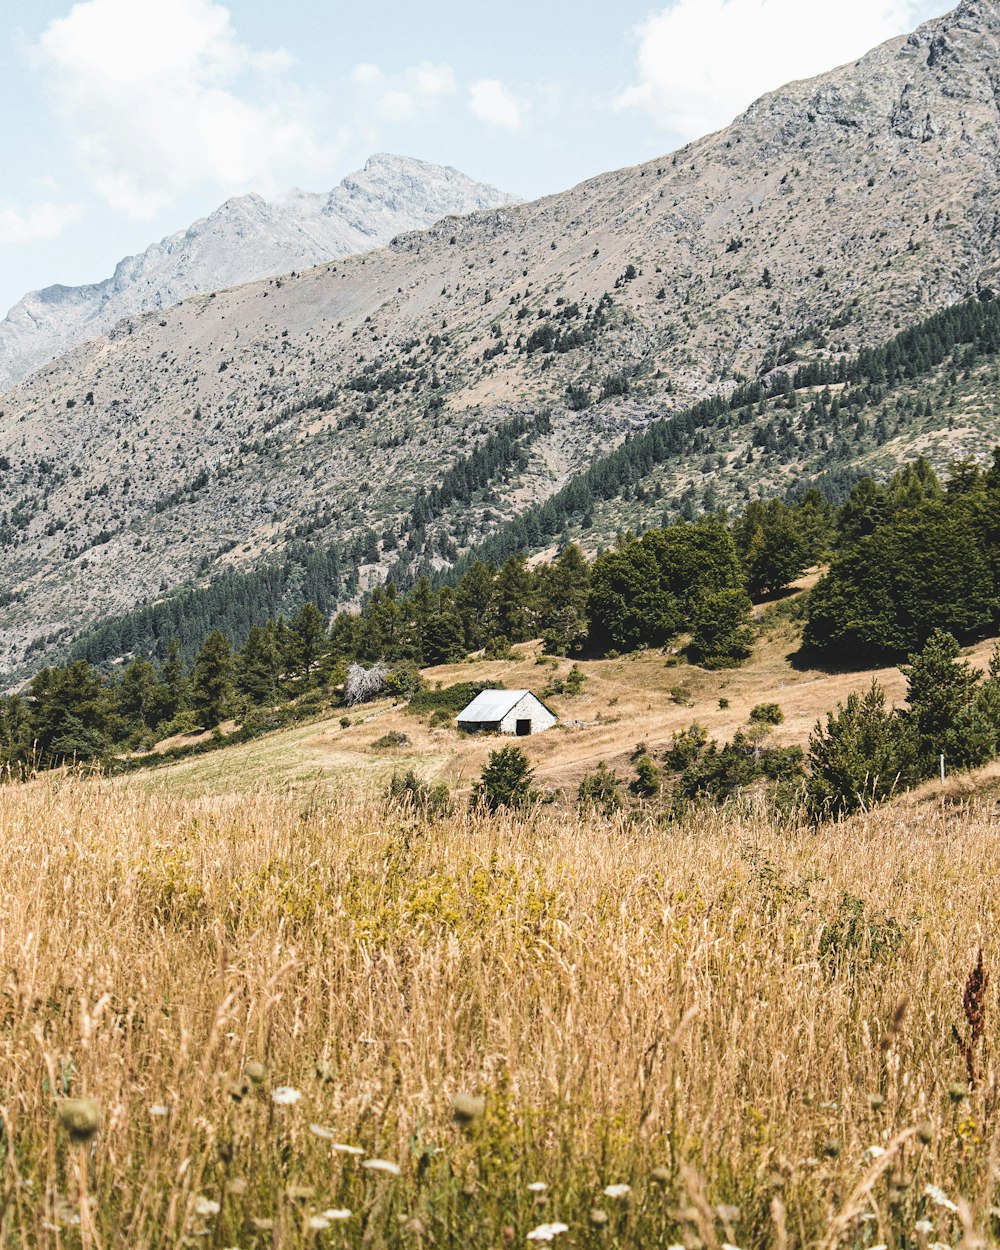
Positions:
{"x": 245, "y": 239}
{"x": 218, "y": 433}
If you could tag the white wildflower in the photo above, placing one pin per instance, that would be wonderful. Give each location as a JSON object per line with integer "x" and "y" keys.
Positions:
{"x": 546, "y": 1232}
{"x": 158, "y": 1109}
{"x": 337, "y": 1213}
{"x": 617, "y": 1191}
{"x": 285, "y": 1096}
{"x": 940, "y": 1198}
{"x": 923, "y": 1226}
{"x": 318, "y": 1130}
{"x": 318, "y": 1222}
{"x": 939, "y": 1245}
{"x": 538, "y": 1187}
{"x": 727, "y": 1246}
{"x": 382, "y": 1165}
{"x": 873, "y": 1153}
{"x": 206, "y": 1206}
{"x": 347, "y": 1150}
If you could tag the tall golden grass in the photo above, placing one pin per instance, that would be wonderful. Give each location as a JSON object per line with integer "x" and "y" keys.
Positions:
{"x": 692, "y": 1011}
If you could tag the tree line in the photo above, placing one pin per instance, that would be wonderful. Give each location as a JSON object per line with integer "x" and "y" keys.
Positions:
{"x": 909, "y": 557}
{"x": 328, "y": 575}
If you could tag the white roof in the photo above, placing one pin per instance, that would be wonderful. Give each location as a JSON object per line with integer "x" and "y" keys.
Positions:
{"x": 492, "y": 705}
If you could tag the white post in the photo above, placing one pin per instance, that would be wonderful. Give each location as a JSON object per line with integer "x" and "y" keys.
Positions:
{"x": 942, "y": 769}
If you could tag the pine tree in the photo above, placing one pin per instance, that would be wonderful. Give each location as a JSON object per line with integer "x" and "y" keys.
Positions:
{"x": 420, "y": 608}
{"x": 772, "y": 545}
{"x": 647, "y": 778}
{"x": 212, "y": 680}
{"x": 443, "y": 640}
{"x": 142, "y": 699}
{"x": 475, "y": 604}
{"x": 514, "y": 589}
{"x": 600, "y": 789}
{"x": 69, "y": 713}
{"x": 308, "y": 629}
{"x": 563, "y": 590}
{"x": 505, "y": 781}
{"x": 856, "y": 759}
{"x": 258, "y": 667}
{"x": 174, "y": 677}
{"x": 945, "y": 716}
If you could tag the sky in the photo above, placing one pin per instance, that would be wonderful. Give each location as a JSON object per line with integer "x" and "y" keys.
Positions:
{"x": 124, "y": 120}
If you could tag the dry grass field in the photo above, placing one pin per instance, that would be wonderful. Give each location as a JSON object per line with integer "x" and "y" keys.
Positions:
{"x": 749, "y": 1025}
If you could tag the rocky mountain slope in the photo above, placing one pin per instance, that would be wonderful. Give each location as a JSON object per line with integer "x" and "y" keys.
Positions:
{"x": 246, "y": 238}
{"x": 317, "y": 406}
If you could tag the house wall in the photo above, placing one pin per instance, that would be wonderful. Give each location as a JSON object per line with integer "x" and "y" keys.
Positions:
{"x": 529, "y": 708}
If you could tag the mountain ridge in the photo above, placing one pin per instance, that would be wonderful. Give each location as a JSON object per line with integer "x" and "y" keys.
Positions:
{"x": 314, "y": 407}
{"x": 246, "y": 238}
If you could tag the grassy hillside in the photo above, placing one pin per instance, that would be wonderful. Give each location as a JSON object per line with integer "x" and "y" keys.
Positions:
{"x": 643, "y": 698}
{"x": 748, "y": 1024}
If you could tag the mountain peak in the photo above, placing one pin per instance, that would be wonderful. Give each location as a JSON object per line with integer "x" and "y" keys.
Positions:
{"x": 832, "y": 214}
{"x": 245, "y": 238}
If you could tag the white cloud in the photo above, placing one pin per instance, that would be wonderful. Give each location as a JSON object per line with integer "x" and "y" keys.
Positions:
{"x": 43, "y": 221}
{"x": 701, "y": 62}
{"x": 402, "y": 97}
{"x": 160, "y": 97}
{"x": 491, "y": 102}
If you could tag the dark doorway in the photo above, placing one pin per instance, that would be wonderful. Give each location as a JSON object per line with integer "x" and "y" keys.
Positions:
{"x": 524, "y": 728}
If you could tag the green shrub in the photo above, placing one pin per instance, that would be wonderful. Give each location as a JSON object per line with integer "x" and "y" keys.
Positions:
{"x": 570, "y": 685}
{"x": 405, "y": 681}
{"x": 647, "y": 778}
{"x": 856, "y": 936}
{"x": 409, "y": 791}
{"x": 686, "y": 747}
{"x": 717, "y": 773}
{"x": 450, "y": 698}
{"x": 185, "y": 722}
{"x": 601, "y": 789}
{"x": 505, "y": 781}
{"x": 498, "y": 649}
{"x": 856, "y": 757}
{"x": 766, "y": 714}
{"x": 392, "y": 741}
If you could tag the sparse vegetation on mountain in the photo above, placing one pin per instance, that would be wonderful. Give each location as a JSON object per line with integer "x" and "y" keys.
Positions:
{"x": 686, "y": 579}
{"x": 806, "y": 382}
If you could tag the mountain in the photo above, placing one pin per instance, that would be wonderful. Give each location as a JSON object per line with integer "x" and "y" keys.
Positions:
{"x": 246, "y": 238}
{"x": 341, "y": 407}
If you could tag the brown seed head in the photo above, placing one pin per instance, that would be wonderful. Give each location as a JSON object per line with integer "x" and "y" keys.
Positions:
{"x": 467, "y": 1107}
{"x": 80, "y": 1117}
